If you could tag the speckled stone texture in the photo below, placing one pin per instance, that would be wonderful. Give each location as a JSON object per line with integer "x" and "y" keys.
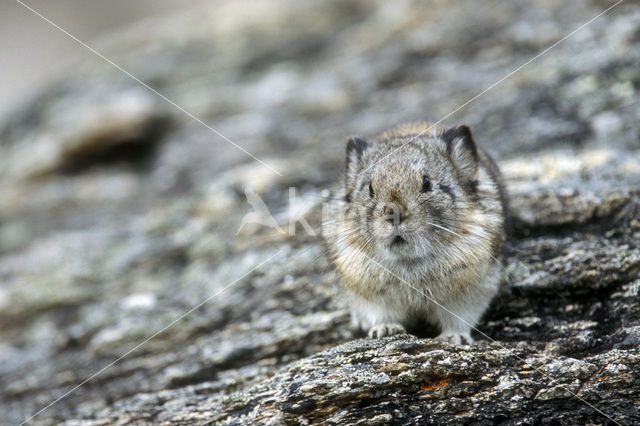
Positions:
{"x": 118, "y": 214}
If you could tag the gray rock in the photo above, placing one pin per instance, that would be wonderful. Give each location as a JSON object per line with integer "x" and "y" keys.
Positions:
{"x": 121, "y": 269}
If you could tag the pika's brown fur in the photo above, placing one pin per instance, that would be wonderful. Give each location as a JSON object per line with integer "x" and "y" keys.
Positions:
{"x": 417, "y": 229}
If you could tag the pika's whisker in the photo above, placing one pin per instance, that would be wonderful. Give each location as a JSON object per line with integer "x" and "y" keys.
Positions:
{"x": 444, "y": 229}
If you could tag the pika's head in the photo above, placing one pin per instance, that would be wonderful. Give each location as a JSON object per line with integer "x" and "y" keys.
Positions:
{"x": 408, "y": 194}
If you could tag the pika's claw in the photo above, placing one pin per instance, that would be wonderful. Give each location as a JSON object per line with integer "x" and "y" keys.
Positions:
{"x": 384, "y": 330}
{"x": 455, "y": 338}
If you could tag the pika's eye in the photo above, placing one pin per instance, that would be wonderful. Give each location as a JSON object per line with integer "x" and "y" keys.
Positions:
{"x": 370, "y": 190}
{"x": 426, "y": 184}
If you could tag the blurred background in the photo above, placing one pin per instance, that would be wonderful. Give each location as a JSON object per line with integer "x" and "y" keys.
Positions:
{"x": 33, "y": 54}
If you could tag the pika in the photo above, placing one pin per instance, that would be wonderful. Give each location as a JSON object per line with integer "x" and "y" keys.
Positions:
{"x": 416, "y": 230}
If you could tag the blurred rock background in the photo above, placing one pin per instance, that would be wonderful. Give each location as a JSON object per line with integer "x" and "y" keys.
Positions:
{"x": 118, "y": 214}
{"x": 33, "y": 55}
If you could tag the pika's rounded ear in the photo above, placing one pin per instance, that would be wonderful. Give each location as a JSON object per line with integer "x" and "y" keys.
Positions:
{"x": 355, "y": 150}
{"x": 462, "y": 150}
{"x": 355, "y": 147}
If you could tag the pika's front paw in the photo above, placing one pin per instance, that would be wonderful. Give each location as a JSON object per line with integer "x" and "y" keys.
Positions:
{"x": 384, "y": 330}
{"x": 455, "y": 338}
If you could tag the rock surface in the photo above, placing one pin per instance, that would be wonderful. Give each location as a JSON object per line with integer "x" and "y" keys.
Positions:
{"x": 121, "y": 268}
